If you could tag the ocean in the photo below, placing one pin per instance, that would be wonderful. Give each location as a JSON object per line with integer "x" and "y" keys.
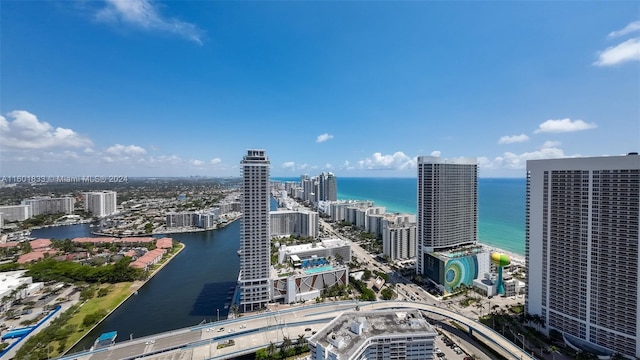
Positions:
{"x": 501, "y": 205}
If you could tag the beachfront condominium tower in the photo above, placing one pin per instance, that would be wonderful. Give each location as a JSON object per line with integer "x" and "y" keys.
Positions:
{"x": 447, "y": 205}
{"x": 330, "y": 185}
{"x": 255, "y": 247}
{"x": 582, "y": 243}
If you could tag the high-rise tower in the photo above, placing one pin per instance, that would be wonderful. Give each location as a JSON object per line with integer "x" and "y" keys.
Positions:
{"x": 100, "y": 203}
{"x": 331, "y": 186}
{"x": 255, "y": 247}
{"x": 582, "y": 243}
{"x": 447, "y": 205}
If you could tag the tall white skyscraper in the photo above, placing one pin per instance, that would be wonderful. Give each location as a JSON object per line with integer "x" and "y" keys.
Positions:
{"x": 255, "y": 246}
{"x": 582, "y": 243}
{"x": 100, "y": 203}
{"x": 447, "y": 205}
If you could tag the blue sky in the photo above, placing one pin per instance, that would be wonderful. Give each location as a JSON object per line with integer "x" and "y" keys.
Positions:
{"x": 180, "y": 88}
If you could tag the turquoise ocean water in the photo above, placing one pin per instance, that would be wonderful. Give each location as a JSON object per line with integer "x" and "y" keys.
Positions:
{"x": 501, "y": 205}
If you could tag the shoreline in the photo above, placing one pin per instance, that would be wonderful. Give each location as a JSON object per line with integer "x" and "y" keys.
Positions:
{"x": 134, "y": 287}
{"x": 515, "y": 258}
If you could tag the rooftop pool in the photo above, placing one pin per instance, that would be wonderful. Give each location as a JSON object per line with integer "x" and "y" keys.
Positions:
{"x": 318, "y": 269}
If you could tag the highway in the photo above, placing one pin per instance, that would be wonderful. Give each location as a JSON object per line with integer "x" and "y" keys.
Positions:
{"x": 253, "y": 332}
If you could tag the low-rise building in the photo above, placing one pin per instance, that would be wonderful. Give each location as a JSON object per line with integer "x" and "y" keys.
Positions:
{"x": 450, "y": 269}
{"x": 40, "y": 244}
{"x": 150, "y": 258}
{"x": 14, "y": 285}
{"x": 300, "y": 284}
{"x": 373, "y": 335}
{"x": 328, "y": 248}
{"x": 164, "y": 243}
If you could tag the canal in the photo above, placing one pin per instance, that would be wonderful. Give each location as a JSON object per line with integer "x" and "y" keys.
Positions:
{"x": 192, "y": 288}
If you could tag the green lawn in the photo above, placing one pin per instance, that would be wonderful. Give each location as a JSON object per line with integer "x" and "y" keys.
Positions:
{"x": 117, "y": 293}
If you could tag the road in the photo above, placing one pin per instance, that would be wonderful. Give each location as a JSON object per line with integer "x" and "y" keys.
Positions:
{"x": 257, "y": 331}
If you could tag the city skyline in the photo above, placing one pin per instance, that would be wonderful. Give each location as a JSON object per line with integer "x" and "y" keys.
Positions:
{"x": 134, "y": 88}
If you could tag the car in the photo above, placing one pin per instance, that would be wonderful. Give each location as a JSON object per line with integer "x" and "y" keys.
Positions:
{"x": 221, "y": 329}
{"x": 307, "y": 329}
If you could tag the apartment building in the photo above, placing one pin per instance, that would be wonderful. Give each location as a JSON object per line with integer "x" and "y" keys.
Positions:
{"x": 49, "y": 205}
{"x": 100, "y": 203}
{"x": 16, "y": 212}
{"x": 447, "y": 205}
{"x": 294, "y": 222}
{"x": 255, "y": 242}
{"x": 399, "y": 238}
{"x": 375, "y": 335}
{"x": 582, "y": 241}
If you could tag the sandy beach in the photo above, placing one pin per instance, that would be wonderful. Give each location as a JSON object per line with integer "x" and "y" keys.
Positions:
{"x": 515, "y": 258}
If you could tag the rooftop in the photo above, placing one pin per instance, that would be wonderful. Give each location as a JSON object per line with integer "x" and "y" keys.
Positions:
{"x": 460, "y": 252}
{"x": 323, "y": 244}
{"x": 346, "y": 333}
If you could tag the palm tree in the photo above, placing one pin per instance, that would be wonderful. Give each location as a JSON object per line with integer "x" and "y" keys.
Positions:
{"x": 301, "y": 342}
{"x": 553, "y": 349}
{"x": 271, "y": 349}
{"x": 479, "y": 305}
{"x": 286, "y": 345}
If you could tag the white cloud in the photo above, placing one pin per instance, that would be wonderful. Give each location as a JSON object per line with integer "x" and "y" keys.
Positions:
{"x": 510, "y": 139}
{"x": 4, "y": 124}
{"x": 551, "y": 143}
{"x": 328, "y": 166}
{"x": 324, "y": 137}
{"x": 289, "y": 165}
{"x": 436, "y": 153}
{"x": 121, "y": 150}
{"x": 145, "y": 14}
{"x": 564, "y": 125}
{"x": 215, "y": 161}
{"x": 197, "y": 162}
{"x": 173, "y": 160}
{"x": 631, "y": 27}
{"x": 347, "y": 165}
{"x": 621, "y": 53}
{"x": 512, "y": 161}
{"x": 25, "y": 131}
{"x": 397, "y": 161}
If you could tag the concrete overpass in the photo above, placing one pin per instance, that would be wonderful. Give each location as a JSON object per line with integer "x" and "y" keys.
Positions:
{"x": 253, "y": 332}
